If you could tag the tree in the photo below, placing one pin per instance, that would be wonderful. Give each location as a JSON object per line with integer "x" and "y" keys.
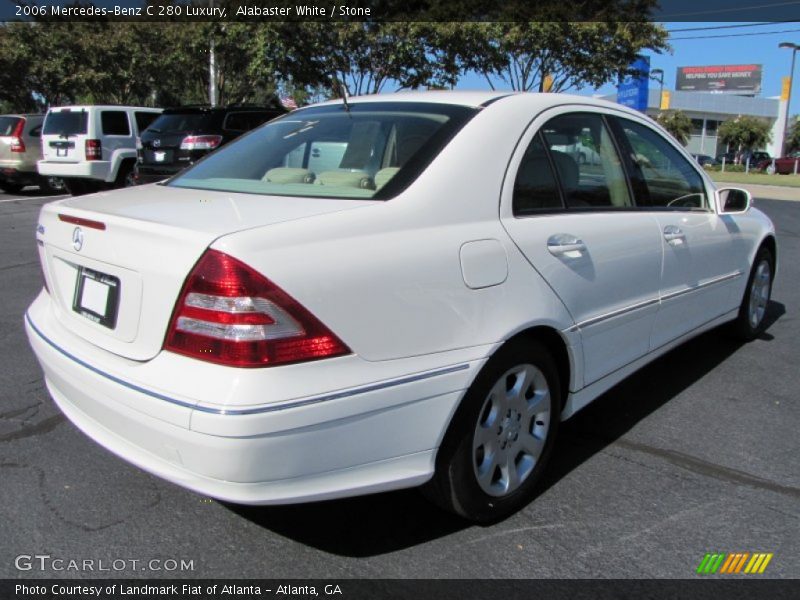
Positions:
{"x": 745, "y": 133}
{"x": 793, "y": 136}
{"x": 574, "y": 55}
{"x": 677, "y": 124}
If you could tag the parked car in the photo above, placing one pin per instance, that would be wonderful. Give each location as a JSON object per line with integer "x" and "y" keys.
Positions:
{"x": 181, "y": 136}
{"x": 705, "y": 160}
{"x": 784, "y": 165}
{"x": 93, "y": 147}
{"x": 728, "y": 158}
{"x": 757, "y": 157}
{"x": 427, "y": 311}
{"x": 20, "y": 149}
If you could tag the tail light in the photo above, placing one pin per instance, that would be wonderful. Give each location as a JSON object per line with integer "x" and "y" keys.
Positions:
{"x": 94, "y": 150}
{"x": 17, "y": 145}
{"x": 201, "y": 142}
{"x": 227, "y": 313}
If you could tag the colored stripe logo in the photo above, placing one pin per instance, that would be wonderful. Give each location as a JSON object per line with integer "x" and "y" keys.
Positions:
{"x": 734, "y": 562}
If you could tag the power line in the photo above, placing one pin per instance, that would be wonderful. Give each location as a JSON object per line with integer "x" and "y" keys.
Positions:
{"x": 729, "y": 26}
{"x": 669, "y": 17}
{"x": 730, "y": 35}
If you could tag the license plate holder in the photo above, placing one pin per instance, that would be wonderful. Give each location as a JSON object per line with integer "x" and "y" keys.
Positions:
{"x": 97, "y": 297}
{"x": 61, "y": 151}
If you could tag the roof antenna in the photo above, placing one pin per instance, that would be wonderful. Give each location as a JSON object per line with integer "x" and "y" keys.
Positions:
{"x": 341, "y": 89}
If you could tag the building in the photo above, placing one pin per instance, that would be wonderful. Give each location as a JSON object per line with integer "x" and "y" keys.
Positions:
{"x": 708, "y": 109}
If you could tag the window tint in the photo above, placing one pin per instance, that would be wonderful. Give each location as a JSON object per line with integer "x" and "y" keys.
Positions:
{"x": 372, "y": 150}
{"x": 245, "y": 121}
{"x": 8, "y": 125}
{"x": 65, "y": 122}
{"x": 143, "y": 120}
{"x": 535, "y": 187}
{"x": 661, "y": 176}
{"x": 115, "y": 122}
{"x": 587, "y": 163}
{"x": 175, "y": 122}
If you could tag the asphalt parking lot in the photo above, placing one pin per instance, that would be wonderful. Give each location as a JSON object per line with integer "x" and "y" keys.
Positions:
{"x": 696, "y": 453}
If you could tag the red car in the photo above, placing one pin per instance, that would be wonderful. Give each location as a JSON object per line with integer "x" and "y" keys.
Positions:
{"x": 784, "y": 165}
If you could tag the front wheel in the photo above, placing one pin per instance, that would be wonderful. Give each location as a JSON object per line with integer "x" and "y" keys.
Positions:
{"x": 501, "y": 436}
{"x": 750, "y": 322}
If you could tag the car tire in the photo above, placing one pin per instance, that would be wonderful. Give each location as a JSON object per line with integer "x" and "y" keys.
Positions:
{"x": 78, "y": 187}
{"x": 501, "y": 436}
{"x": 750, "y": 322}
{"x": 51, "y": 185}
{"x": 11, "y": 188}
{"x": 125, "y": 176}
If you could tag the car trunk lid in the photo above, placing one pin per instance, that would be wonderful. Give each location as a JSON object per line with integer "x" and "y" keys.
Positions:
{"x": 115, "y": 262}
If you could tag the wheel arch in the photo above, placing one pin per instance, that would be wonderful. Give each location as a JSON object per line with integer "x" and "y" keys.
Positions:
{"x": 770, "y": 244}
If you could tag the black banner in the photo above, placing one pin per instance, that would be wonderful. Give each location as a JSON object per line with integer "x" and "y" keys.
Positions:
{"x": 733, "y": 588}
{"x": 719, "y": 78}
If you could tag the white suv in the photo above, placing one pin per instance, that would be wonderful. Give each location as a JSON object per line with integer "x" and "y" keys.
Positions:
{"x": 93, "y": 147}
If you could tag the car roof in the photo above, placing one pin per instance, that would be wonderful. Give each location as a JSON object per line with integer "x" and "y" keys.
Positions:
{"x": 477, "y": 99}
{"x": 104, "y": 107}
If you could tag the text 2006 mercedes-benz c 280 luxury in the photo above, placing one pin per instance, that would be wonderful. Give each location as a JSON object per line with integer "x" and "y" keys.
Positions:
{"x": 388, "y": 292}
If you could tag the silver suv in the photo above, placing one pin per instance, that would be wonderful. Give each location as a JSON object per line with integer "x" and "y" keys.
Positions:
{"x": 20, "y": 149}
{"x": 93, "y": 147}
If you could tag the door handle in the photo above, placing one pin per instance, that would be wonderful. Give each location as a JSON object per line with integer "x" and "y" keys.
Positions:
{"x": 674, "y": 235}
{"x": 565, "y": 244}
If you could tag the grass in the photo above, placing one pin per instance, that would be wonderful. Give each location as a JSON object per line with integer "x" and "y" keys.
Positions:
{"x": 756, "y": 178}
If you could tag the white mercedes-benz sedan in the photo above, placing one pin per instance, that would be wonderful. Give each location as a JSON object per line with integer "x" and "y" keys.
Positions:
{"x": 389, "y": 292}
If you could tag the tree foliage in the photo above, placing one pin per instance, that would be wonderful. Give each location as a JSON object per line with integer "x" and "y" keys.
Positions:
{"x": 677, "y": 124}
{"x": 793, "y": 135}
{"x": 745, "y": 133}
{"x": 574, "y": 55}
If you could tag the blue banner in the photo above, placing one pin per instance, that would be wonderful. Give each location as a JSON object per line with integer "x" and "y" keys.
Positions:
{"x": 632, "y": 89}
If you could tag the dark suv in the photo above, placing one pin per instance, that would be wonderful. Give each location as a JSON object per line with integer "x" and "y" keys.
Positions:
{"x": 181, "y": 136}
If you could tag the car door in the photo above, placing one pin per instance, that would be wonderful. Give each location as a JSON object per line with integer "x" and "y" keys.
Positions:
{"x": 578, "y": 227}
{"x": 699, "y": 265}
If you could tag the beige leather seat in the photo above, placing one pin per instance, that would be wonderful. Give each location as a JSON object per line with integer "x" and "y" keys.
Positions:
{"x": 289, "y": 175}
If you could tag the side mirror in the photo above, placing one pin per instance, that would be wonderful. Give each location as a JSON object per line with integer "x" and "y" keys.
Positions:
{"x": 733, "y": 201}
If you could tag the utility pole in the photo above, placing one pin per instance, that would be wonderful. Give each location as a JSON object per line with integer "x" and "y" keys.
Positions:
{"x": 793, "y": 48}
{"x": 212, "y": 68}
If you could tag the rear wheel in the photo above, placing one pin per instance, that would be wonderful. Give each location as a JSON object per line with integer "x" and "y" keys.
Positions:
{"x": 750, "y": 322}
{"x": 51, "y": 185}
{"x": 501, "y": 437}
{"x": 11, "y": 188}
{"x": 126, "y": 177}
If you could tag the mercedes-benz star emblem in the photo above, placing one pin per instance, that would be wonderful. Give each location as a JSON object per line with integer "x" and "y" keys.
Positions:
{"x": 156, "y": 143}
{"x": 77, "y": 239}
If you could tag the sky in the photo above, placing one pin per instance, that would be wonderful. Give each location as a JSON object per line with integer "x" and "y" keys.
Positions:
{"x": 757, "y": 44}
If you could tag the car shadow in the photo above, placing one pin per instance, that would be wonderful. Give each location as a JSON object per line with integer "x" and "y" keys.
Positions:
{"x": 381, "y": 523}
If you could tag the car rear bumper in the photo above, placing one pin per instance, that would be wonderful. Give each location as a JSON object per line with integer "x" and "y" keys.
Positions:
{"x": 150, "y": 174}
{"x": 16, "y": 174}
{"x": 379, "y": 436}
{"x": 89, "y": 169}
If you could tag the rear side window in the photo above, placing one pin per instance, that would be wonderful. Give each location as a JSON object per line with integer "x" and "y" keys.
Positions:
{"x": 661, "y": 177}
{"x": 535, "y": 188}
{"x": 8, "y": 124}
{"x": 115, "y": 122}
{"x": 143, "y": 120}
{"x": 36, "y": 131}
{"x": 586, "y": 160}
{"x": 66, "y": 123}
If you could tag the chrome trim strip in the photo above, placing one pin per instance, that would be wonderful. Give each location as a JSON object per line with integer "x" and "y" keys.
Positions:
{"x": 701, "y": 286}
{"x": 646, "y": 303}
{"x": 261, "y": 409}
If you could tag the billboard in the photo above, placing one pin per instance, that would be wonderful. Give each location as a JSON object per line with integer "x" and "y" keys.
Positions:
{"x": 632, "y": 89}
{"x": 743, "y": 79}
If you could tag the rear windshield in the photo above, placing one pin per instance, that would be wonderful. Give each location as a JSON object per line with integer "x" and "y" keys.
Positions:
{"x": 8, "y": 124}
{"x": 65, "y": 123}
{"x": 372, "y": 151}
{"x": 179, "y": 123}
